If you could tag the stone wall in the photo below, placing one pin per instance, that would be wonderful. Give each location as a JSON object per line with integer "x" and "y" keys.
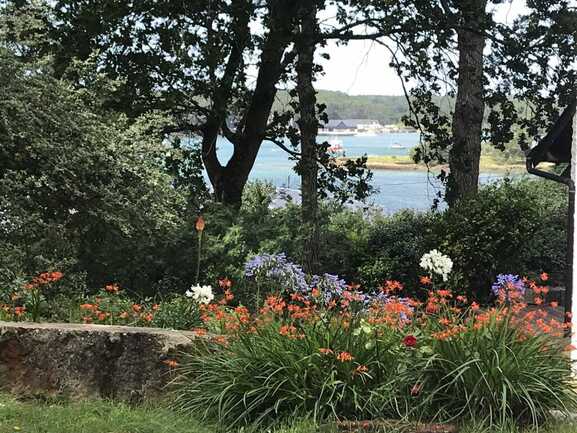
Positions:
{"x": 84, "y": 361}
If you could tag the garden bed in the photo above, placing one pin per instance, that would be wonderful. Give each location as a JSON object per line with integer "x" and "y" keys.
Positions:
{"x": 121, "y": 362}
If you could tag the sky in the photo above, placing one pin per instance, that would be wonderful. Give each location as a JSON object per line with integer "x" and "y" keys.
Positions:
{"x": 362, "y": 67}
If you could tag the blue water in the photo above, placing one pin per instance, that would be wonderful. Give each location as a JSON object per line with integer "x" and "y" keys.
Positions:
{"x": 396, "y": 189}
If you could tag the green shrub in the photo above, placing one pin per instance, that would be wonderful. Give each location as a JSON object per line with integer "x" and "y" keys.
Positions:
{"x": 397, "y": 243}
{"x": 508, "y": 227}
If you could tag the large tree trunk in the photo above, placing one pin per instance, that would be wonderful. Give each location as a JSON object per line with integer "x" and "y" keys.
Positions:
{"x": 229, "y": 181}
{"x": 465, "y": 154}
{"x": 308, "y": 126}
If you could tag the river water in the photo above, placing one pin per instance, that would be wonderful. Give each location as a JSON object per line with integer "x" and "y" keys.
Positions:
{"x": 396, "y": 189}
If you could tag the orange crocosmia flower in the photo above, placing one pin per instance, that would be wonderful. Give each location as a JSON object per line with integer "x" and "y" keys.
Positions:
{"x": 344, "y": 357}
{"x": 392, "y": 286}
{"x": 315, "y": 292}
{"x": 425, "y": 280}
{"x": 136, "y": 308}
{"x": 296, "y": 297}
{"x": 444, "y": 321}
{"x": 220, "y": 339}
{"x": 123, "y": 315}
{"x": 87, "y": 307}
{"x": 200, "y": 332}
{"x": 444, "y": 293}
{"x": 148, "y": 317}
{"x": 19, "y": 311}
{"x": 87, "y": 319}
{"x": 171, "y": 363}
{"x": 360, "y": 369}
{"x": 155, "y": 307}
{"x": 112, "y": 288}
{"x": 544, "y": 276}
{"x": 462, "y": 299}
{"x": 326, "y": 351}
{"x": 538, "y": 300}
{"x": 554, "y": 304}
{"x": 475, "y": 306}
{"x": 102, "y": 316}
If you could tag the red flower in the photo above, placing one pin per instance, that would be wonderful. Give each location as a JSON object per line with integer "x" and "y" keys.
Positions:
{"x": 410, "y": 341}
{"x": 416, "y": 389}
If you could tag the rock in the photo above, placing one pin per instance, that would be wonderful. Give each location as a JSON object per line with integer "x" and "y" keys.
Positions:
{"x": 87, "y": 361}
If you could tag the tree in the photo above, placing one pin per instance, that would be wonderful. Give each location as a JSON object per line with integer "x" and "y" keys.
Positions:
{"x": 465, "y": 151}
{"x": 308, "y": 123}
{"x": 81, "y": 191}
{"x": 493, "y": 96}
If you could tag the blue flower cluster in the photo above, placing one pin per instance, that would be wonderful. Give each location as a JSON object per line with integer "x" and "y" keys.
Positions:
{"x": 508, "y": 282}
{"x": 287, "y": 275}
{"x": 277, "y": 268}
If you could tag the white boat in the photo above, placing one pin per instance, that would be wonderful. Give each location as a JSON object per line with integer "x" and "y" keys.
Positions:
{"x": 335, "y": 146}
{"x": 397, "y": 146}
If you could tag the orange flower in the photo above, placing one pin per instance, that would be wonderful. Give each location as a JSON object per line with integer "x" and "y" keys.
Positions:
{"x": 444, "y": 321}
{"x": 554, "y": 304}
{"x": 200, "y": 332}
{"x": 544, "y": 276}
{"x": 538, "y": 300}
{"x": 325, "y": 351}
{"x": 102, "y": 316}
{"x": 425, "y": 281}
{"x": 344, "y": 357}
{"x": 392, "y": 286}
{"x": 462, "y": 299}
{"x": 155, "y": 307}
{"x": 360, "y": 369}
{"x": 136, "y": 308}
{"x": 171, "y": 363}
{"x": 88, "y": 307}
{"x": 112, "y": 288}
{"x": 475, "y": 306}
{"x": 148, "y": 317}
{"x": 123, "y": 315}
{"x": 199, "y": 224}
{"x": 19, "y": 311}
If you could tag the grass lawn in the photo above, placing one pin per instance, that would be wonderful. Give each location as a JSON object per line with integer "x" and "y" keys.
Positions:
{"x": 107, "y": 417}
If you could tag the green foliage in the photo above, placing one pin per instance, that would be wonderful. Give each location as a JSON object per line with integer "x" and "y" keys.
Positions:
{"x": 302, "y": 357}
{"x": 80, "y": 191}
{"x": 498, "y": 374}
{"x": 397, "y": 244}
{"x": 508, "y": 227}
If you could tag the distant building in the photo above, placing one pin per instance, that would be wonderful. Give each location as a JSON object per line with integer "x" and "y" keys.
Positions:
{"x": 351, "y": 127}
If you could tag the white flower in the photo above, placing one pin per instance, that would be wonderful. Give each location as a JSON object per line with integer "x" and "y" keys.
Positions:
{"x": 201, "y": 294}
{"x": 437, "y": 263}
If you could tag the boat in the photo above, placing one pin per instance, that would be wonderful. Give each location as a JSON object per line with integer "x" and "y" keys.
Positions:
{"x": 333, "y": 133}
{"x": 397, "y": 146}
{"x": 335, "y": 146}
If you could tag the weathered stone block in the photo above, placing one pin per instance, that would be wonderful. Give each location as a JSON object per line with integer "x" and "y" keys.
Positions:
{"x": 85, "y": 361}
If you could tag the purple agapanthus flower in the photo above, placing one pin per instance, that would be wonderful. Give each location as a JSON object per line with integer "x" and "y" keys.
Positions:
{"x": 508, "y": 282}
{"x": 278, "y": 268}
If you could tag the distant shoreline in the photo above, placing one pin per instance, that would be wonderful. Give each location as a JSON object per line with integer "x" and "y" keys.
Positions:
{"x": 405, "y": 163}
